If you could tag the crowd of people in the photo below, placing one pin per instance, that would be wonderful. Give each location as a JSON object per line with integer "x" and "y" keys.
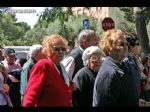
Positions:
{"x": 100, "y": 71}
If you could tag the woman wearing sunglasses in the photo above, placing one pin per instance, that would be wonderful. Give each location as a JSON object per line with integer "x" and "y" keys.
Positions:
{"x": 49, "y": 83}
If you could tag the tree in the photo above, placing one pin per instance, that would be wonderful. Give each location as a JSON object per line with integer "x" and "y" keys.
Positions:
{"x": 11, "y": 32}
{"x": 141, "y": 29}
{"x": 129, "y": 12}
{"x": 51, "y": 14}
{"x": 141, "y": 18}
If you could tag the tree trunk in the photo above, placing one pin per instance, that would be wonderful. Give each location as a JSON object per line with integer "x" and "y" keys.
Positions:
{"x": 141, "y": 30}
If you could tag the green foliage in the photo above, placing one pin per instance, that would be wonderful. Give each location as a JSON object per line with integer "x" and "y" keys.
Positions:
{"x": 129, "y": 13}
{"x": 126, "y": 26}
{"x": 51, "y": 14}
{"x": 141, "y": 19}
{"x": 11, "y": 31}
{"x": 69, "y": 29}
{"x": 121, "y": 20}
{"x": 35, "y": 35}
{"x": 53, "y": 20}
{"x": 76, "y": 24}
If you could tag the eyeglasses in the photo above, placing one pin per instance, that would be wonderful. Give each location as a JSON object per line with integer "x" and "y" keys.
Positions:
{"x": 58, "y": 49}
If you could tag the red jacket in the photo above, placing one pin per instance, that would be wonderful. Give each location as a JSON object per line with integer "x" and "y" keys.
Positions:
{"x": 46, "y": 87}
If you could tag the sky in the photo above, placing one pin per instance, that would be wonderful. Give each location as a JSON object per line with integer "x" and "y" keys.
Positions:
{"x": 27, "y": 14}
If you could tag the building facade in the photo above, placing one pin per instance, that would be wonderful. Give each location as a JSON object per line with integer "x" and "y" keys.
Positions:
{"x": 95, "y": 12}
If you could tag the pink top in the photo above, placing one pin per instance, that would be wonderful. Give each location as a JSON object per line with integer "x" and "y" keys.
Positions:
{"x": 10, "y": 68}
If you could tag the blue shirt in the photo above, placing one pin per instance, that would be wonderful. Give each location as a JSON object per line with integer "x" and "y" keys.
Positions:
{"x": 25, "y": 72}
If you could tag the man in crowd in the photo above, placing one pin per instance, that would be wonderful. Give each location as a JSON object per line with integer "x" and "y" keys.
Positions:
{"x": 10, "y": 60}
{"x": 12, "y": 69}
{"x": 73, "y": 61}
{"x": 35, "y": 54}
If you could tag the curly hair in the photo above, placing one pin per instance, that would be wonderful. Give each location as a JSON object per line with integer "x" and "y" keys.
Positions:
{"x": 49, "y": 41}
{"x": 131, "y": 38}
{"x": 108, "y": 38}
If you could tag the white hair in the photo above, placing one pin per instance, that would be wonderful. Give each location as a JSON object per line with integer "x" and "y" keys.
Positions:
{"x": 84, "y": 34}
{"x": 34, "y": 49}
{"x": 89, "y": 51}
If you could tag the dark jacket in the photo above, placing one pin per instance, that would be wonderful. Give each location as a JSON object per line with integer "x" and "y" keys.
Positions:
{"x": 14, "y": 88}
{"x": 133, "y": 69}
{"x": 77, "y": 55}
{"x": 113, "y": 86}
{"x": 83, "y": 96}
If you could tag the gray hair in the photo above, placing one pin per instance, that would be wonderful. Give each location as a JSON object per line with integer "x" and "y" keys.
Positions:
{"x": 84, "y": 34}
{"x": 34, "y": 49}
{"x": 89, "y": 51}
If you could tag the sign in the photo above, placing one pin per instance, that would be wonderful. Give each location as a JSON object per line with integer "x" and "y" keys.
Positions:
{"x": 86, "y": 24}
{"x": 108, "y": 23}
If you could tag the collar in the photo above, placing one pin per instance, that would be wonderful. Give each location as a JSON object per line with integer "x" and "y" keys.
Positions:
{"x": 81, "y": 49}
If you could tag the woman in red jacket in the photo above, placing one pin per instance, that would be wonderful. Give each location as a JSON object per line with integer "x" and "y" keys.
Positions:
{"x": 48, "y": 85}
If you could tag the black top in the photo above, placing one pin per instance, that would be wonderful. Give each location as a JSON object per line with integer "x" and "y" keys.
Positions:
{"x": 77, "y": 55}
{"x": 113, "y": 86}
{"x": 83, "y": 96}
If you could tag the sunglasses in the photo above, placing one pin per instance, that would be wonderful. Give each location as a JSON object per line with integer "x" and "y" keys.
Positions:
{"x": 58, "y": 49}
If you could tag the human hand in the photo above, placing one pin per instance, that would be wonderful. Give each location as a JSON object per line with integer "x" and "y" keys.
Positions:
{"x": 5, "y": 88}
{"x": 74, "y": 86}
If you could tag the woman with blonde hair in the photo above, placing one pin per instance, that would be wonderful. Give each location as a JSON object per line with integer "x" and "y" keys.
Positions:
{"x": 113, "y": 85}
{"x": 49, "y": 83}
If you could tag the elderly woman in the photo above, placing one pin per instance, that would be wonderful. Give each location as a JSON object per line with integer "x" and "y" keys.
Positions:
{"x": 113, "y": 86}
{"x": 49, "y": 83}
{"x": 85, "y": 77}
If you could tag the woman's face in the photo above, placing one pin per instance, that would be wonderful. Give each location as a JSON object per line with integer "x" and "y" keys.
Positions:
{"x": 94, "y": 62}
{"x": 58, "y": 52}
{"x": 136, "y": 49}
{"x": 11, "y": 59}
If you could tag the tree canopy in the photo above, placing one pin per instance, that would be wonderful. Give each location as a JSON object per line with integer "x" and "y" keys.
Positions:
{"x": 58, "y": 20}
{"x": 11, "y": 31}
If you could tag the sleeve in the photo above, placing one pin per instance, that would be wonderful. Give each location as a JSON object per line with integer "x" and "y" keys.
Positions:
{"x": 34, "y": 86}
{"x": 1, "y": 81}
{"x": 29, "y": 70}
{"x": 79, "y": 94}
{"x": 69, "y": 65}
